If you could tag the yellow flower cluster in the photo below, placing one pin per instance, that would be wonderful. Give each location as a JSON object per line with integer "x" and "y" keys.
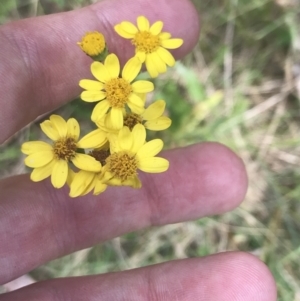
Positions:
{"x": 112, "y": 154}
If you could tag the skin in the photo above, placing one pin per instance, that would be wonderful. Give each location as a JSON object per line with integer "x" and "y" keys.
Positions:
{"x": 41, "y": 66}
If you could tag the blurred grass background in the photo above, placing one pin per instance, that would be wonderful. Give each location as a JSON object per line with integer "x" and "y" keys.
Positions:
{"x": 240, "y": 86}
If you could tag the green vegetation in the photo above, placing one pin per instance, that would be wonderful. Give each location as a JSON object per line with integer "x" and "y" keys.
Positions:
{"x": 239, "y": 87}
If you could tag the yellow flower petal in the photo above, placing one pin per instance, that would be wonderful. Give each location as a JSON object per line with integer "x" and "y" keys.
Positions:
{"x": 131, "y": 69}
{"x": 113, "y": 143}
{"x": 90, "y": 187}
{"x": 31, "y": 147}
{"x": 139, "y": 137}
{"x": 153, "y": 164}
{"x": 151, "y": 67}
{"x": 141, "y": 56}
{"x": 41, "y": 173}
{"x": 116, "y": 118}
{"x": 129, "y": 27}
{"x": 113, "y": 65}
{"x": 59, "y": 173}
{"x": 156, "y": 27}
{"x": 150, "y": 149}
{"x": 159, "y": 63}
{"x": 73, "y": 128}
{"x": 164, "y": 35}
{"x": 143, "y": 23}
{"x": 91, "y": 85}
{"x": 155, "y": 110}
{"x": 92, "y": 96}
{"x": 136, "y": 183}
{"x": 39, "y": 159}
{"x": 142, "y": 86}
{"x": 125, "y": 139}
{"x": 133, "y": 182}
{"x": 49, "y": 129}
{"x": 100, "y": 72}
{"x": 121, "y": 32}
{"x": 158, "y": 124}
{"x": 60, "y": 124}
{"x": 107, "y": 176}
{"x": 94, "y": 139}
{"x": 99, "y": 187}
{"x": 142, "y": 96}
{"x": 70, "y": 178}
{"x": 99, "y": 110}
{"x": 166, "y": 56}
{"x": 172, "y": 43}
{"x": 114, "y": 182}
{"x": 80, "y": 183}
{"x": 135, "y": 103}
{"x": 106, "y": 123}
{"x": 101, "y": 124}
{"x": 86, "y": 162}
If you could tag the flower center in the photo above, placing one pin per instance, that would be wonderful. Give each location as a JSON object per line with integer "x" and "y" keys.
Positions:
{"x": 93, "y": 43}
{"x": 146, "y": 42}
{"x": 132, "y": 119}
{"x": 65, "y": 148}
{"x": 100, "y": 155}
{"x": 117, "y": 92}
{"x": 122, "y": 165}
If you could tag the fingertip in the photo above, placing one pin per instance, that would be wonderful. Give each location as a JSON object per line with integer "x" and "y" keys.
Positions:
{"x": 213, "y": 176}
{"x": 226, "y": 177}
{"x": 244, "y": 277}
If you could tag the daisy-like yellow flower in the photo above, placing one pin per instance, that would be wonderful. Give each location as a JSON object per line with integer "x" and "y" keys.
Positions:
{"x": 129, "y": 152}
{"x": 93, "y": 44}
{"x": 114, "y": 91}
{"x": 85, "y": 181}
{"x": 53, "y": 159}
{"x": 150, "y": 43}
{"x": 151, "y": 119}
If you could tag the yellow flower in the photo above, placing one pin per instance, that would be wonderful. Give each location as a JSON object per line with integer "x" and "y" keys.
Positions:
{"x": 129, "y": 152}
{"x": 151, "y": 119}
{"x": 86, "y": 181}
{"x": 150, "y": 43}
{"x": 53, "y": 159}
{"x": 93, "y": 43}
{"x": 113, "y": 91}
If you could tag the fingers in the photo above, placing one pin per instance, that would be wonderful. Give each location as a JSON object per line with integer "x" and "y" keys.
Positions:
{"x": 41, "y": 64}
{"x": 222, "y": 277}
{"x": 203, "y": 179}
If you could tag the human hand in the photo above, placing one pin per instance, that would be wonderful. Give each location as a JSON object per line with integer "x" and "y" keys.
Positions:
{"x": 39, "y": 223}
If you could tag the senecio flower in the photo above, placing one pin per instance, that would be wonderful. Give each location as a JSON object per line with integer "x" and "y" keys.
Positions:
{"x": 150, "y": 43}
{"x": 53, "y": 159}
{"x": 114, "y": 91}
{"x": 129, "y": 152}
{"x": 93, "y": 43}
